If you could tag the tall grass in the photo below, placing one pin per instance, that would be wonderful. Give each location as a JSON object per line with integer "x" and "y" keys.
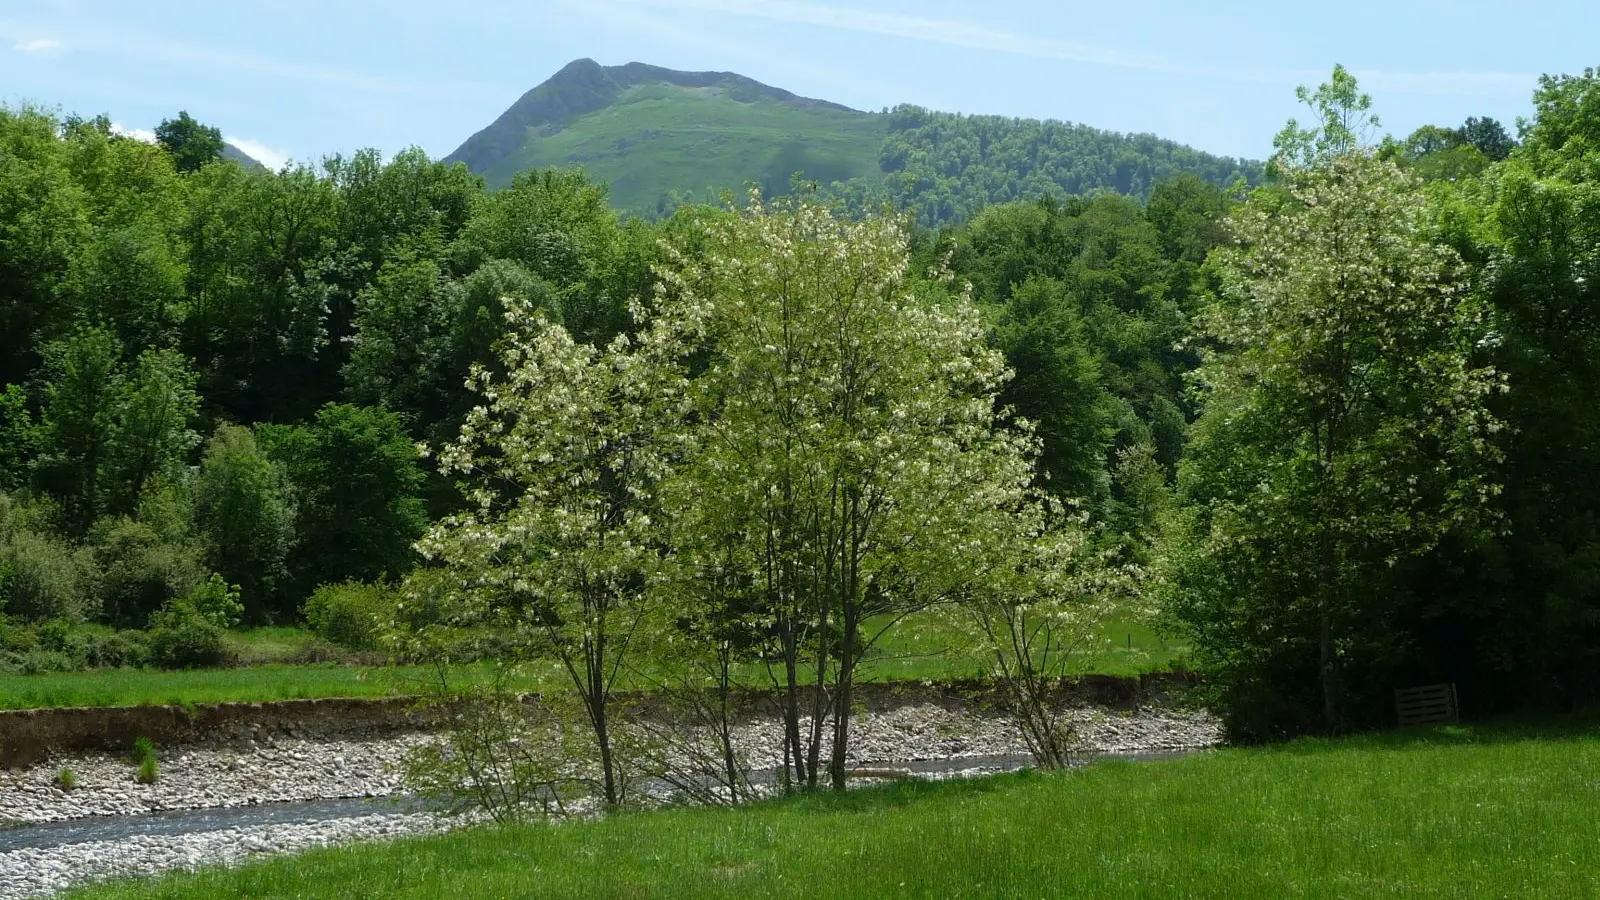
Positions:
{"x": 1438, "y": 814}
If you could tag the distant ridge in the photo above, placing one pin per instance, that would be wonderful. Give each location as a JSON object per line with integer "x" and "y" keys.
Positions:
{"x": 229, "y": 151}
{"x": 658, "y": 138}
{"x": 585, "y": 86}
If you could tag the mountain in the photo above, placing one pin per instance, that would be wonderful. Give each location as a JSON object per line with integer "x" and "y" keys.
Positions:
{"x": 229, "y": 151}
{"x": 658, "y": 136}
{"x": 647, "y": 131}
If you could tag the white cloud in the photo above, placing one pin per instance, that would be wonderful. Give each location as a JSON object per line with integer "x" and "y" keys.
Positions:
{"x": 958, "y": 33}
{"x": 138, "y": 134}
{"x": 40, "y": 46}
{"x": 261, "y": 153}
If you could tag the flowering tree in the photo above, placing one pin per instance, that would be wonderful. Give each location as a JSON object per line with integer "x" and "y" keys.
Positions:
{"x": 557, "y": 545}
{"x": 1344, "y": 429}
{"x": 1038, "y": 593}
{"x": 845, "y": 433}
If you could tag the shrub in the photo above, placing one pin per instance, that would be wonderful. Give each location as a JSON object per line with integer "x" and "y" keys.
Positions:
{"x": 143, "y": 748}
{"x": 16, "y": 638}
{"x": 66, "y": 779}
{"x": 40, "y": 662}
{"x": 45, "y": 577}
{"x": 60, "y": 646}
{"x": 350, "y": 614}
{"x": 149, "y": 770}
{"x": 116, "y": 650}
{"x": 144, "y": 568}
{"x": 188, "y": 632}
{"x": 57, "y": 636}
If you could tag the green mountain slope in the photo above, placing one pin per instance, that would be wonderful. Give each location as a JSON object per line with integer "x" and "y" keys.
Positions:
{"x": 655, "y": 135}
{"x": 648, "y": 132}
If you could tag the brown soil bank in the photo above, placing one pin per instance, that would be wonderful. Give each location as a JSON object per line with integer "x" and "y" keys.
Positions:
{"x": 30, "y": 735}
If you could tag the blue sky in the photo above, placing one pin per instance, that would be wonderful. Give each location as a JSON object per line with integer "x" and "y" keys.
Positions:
{"x": 302, "y": 78}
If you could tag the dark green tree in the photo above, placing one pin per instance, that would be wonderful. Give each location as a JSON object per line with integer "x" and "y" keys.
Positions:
{"x": 152, "y": 437}
{"x": 83, "y": 388}
{"x": 1489, "y": 137}
{"x": 243, "y": 513}
{"x": 356, "y": 487}
{"x": 1057, "y": 387}
{"x": 191, "y": 144}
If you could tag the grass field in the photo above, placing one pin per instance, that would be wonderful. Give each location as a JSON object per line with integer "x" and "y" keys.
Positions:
{"x": 1442, "y": 813}
{"x": 661, "y": 135}
{"x": 917, "y": 651}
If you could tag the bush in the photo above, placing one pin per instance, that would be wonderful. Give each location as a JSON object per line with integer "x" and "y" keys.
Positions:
{"x": 16, "y": 638}
{"x": 188, "y": 632}
{"x": 186, "y": 642}
{"x": 61, "y": 646}
{"x": 45, "y": 577}
{"x": 144, "y": 568}
{"x": 350, "y": 614}
{"x": 149, "y": 770}
{"x": 66, "y": 779}
{"x": 116, "y": 650}
{"x": 40, "y": 662}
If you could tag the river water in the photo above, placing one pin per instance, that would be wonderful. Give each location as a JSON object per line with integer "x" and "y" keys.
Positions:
{"x": 193, "y": 821}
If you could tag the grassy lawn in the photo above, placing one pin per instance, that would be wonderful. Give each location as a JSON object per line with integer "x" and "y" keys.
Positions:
{"x": 1443, "y": 813}
{"x": 141, "y": 687}
{"x": 915, "y": 651}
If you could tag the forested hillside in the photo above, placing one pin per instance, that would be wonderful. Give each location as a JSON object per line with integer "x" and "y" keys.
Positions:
{"x": 661, "y": 138}
{"x": 1338, "y": 427}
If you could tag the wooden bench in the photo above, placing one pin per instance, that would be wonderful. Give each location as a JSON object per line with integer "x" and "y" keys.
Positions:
{"x": 1427, "y": 705}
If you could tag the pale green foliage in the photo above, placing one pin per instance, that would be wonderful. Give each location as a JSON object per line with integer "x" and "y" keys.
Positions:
{"x": 152, "y": 437}
{"x": 1039, "y": 591}
{"x": 1345, "y": 425}
{"x": 556, "y": 544}
{"x": 43, "y": 576}
{"x": 187, "y": 632}
{"x": 848, "y": 438}
{"x": 350, "y": 614}
{"x": 1343, "y": 124}
{"x": 498, "y": 754}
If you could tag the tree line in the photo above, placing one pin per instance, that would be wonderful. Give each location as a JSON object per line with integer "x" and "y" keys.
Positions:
{"x": 1336, "y": 426}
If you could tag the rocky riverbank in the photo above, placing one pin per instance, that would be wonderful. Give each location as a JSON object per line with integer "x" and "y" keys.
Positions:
{"x": 33, "y": 873}
{"x": 248, "y": 768}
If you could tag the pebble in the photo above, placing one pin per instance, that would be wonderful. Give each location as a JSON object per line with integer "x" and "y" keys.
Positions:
{"x": 39, "y": 873}
{"x": 305, "y": 768}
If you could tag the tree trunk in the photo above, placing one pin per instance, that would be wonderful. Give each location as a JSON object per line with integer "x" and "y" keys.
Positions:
{"x": 791, "y": 702}
{"x": 820, "y": 703}
{"x": 596, "y": 701}
{"x": 1326, "y": 573}
{"x": 841, "y": 705}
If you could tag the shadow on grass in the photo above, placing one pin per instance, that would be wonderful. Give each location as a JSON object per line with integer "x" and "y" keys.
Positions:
{"x": 1573, "y": 727}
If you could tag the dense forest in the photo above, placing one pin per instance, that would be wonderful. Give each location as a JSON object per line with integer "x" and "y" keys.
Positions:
{"x": 945, "y": 168}
{"x": 1341, "y": 423}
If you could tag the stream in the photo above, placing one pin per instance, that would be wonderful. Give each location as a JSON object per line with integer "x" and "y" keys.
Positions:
{"x": 45, "y": 836}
